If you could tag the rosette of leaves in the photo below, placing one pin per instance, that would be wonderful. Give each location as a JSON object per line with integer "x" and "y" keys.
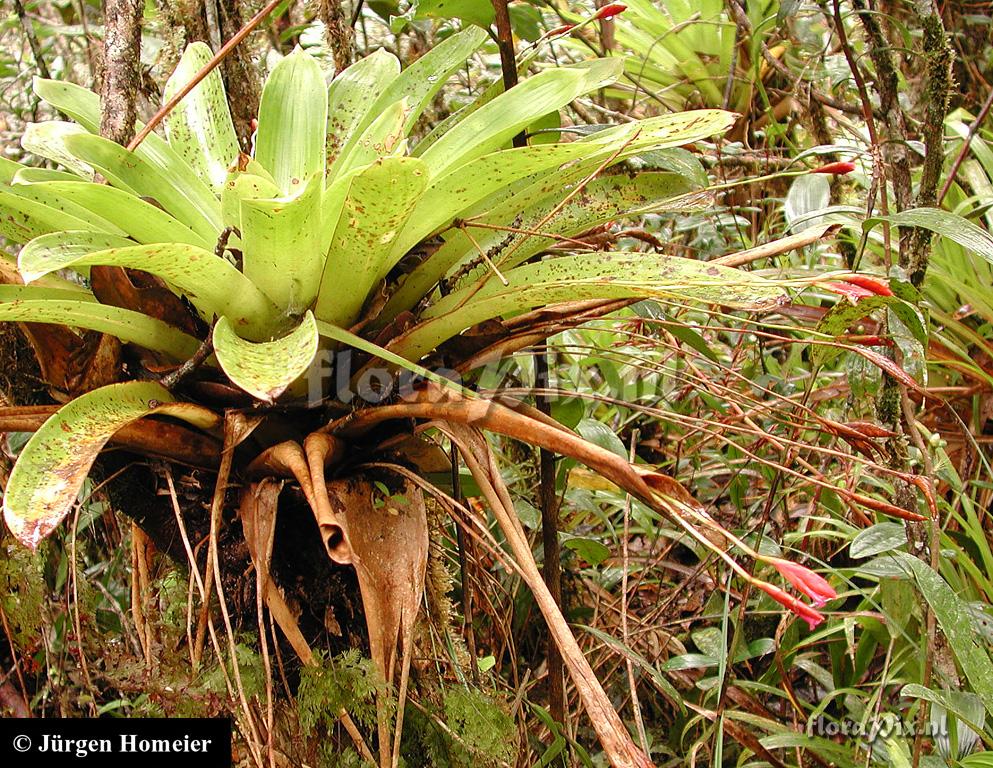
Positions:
{"x": 339, "y": 232}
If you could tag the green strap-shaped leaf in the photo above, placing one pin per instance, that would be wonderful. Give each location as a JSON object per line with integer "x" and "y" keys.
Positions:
{"x": 10, "y": 293}
{"x": 379, "y": 201}
{"x": 200, "y": 127}
{"x": 124, "y": 212}
{"x": 211, "y": 283}
{"x": 332, "y": 203}
{"x": 293, "y": 122}
{"x": 266, "y": 369}
{"x": 493, "y": 125}
{"x": 40, "y": 175}
{"x": 281, "y": 241}
{"x": 950, "y": 225}
{"x": 48, "y": 140}
{"x": 601, "y": 201}
{"x": 470, "y": 189}
{"x": 23, "y": 217}
{"x": 348, "y": 338}
{"x": 586, "y": 276}
{"x": 49, "y": 473}
{"x": 78, "y": 312}
{"x": 351, "y": 97}
{"x": 494, "y": 89}
{"x": 8, "y": 266}
{"x": 419, "y": 82}
{"x": 83, "y": 106}
{"x": 43, "y": 192}
{"x": 58, "y": 250}
{"x": 130, "y": 172}
{"x": 383, "y": 137}
{"x": 243, "y": 186}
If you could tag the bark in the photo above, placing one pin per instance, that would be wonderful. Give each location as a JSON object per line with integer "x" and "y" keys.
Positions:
{"x": 241, "y": 74}
{"x": 937, "y": 88}
{"x": 122, "y": 68}
{"x": 888, "y": 88}
{"x": 338, "y": 31}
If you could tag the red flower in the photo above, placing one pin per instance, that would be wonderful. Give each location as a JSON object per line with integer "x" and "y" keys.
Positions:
{"x": 838, "y": 169}
{"x": 874, "y": 284}
{"x": 810, "y": 615}
{"x": 852, "y": 291}
{"x": 609, "y": 11}
{"x": 805, "y": 580}
{"x": 857, "y": 287}
{"x": 559, "y": 30}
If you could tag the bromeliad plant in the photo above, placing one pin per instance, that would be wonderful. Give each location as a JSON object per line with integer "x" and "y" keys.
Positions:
{"x": 191, "y": 283}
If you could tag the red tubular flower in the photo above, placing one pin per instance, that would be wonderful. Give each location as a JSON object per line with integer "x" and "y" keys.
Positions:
{"x": 838, "y": 169}
{"x": 876, "y": 285}
{"x": 812, "y": 616}
{"x": 609, "y": 11}
{"x": 857, "y": 287}
{"x": 805, "y": 580}
{"x": 559, "y": 30}
{"x": 849, "y": 290}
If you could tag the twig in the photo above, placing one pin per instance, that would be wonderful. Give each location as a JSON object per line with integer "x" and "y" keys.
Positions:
{"x": 930, "y": 619}
{"x": 172, "y": 380}
{"x": 464, "y": 554}
{"x": 191, "y": 559}
{"x": 551, "y": 570}
{"x": 33, "y": 43}
{"x": 625, "y": 637}
{"x": 973, "y": 128}
{"x": 782, "y": 245}
{"x": 233, "y": 431}
{"x": 878, "y": 171}
{"x": 76, "y": 622}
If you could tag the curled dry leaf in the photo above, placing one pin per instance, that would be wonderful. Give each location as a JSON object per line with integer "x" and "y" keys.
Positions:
{"x": 306, "y": 466}
{"x": 387, "y": 537}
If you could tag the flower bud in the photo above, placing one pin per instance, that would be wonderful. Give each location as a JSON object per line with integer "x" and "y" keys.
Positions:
{"x": 838, "y": 169}
{"x": 609, "y": 11}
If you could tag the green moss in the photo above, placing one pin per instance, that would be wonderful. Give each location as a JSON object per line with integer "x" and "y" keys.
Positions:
{"x": 22, "y": 592}
{"x": 250, "y": 668}
{"x": 348, "y": 682}
{"x": 485, "y": 729}
{"x": 480, "y": 734}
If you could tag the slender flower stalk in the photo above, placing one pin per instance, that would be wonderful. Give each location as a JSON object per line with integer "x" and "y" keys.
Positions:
{"x": 607, "y": 12}
{"x": 805, "y": 580}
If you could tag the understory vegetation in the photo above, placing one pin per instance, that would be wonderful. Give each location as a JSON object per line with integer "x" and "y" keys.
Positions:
{"x": 471, "y": 383}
